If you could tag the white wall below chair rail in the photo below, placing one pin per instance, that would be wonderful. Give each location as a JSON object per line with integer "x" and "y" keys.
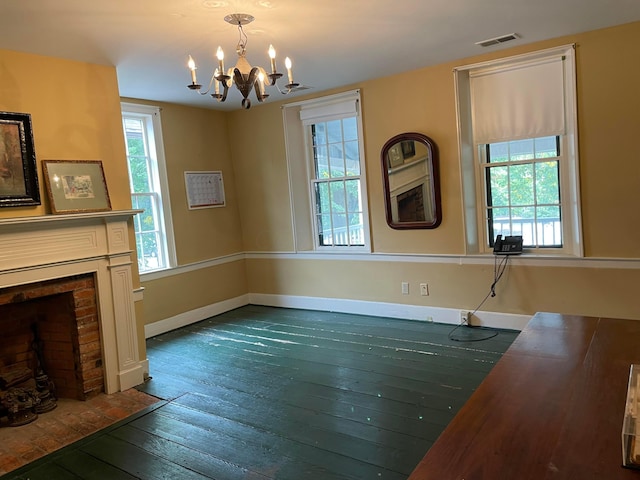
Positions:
{"x": 358, "y": 307}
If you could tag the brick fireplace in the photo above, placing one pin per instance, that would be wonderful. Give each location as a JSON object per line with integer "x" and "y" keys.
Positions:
{"x": 67, "y": 279}
{"x": 61, "y": 316}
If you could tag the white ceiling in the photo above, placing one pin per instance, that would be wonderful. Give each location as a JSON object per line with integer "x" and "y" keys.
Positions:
{"x": 331, "y": 42}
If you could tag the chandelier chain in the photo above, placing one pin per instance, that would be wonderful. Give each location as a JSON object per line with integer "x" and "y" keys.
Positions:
{"x": 241, "y": 48}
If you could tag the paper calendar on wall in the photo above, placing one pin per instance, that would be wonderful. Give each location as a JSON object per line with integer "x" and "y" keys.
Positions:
{"x": 204, "y": 189}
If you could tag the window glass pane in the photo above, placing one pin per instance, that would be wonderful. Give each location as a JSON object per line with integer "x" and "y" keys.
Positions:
{"x": 336, "y": 160}
{"x": 350, "y": 129}
{"x": 499, "y": 152}
{"x": 356, "y": 229}
{"x": 149, "y": 217}
{"x": 340, "y": 231}
{"x": 334, "y": 131}
{"x": 549, "y": 226}
{"x": 501, "y": 222}
{"x": 337, "y": 197}
{"x": 139, "y": 174}
{"x": 499, "y": 186}
{"x": 150, "y": 258}
{"x": 521, "y": 184}
{"x": 546, "y": 147}
{"x": 523, "y": 223}
{"x": 352, "y": 158}
{"x": 135, "y": 145}
{"x": 324, "y": 229}
{"x": 353, "y": 196}
{"x": 322, "y": 198}
{"x": 319, "y": 133}
{"x": 547, "y": 183}
{"x": 321, "y": 161}
{"x": 521, "y": 149}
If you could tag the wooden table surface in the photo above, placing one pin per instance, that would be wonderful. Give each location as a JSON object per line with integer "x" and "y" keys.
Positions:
{"x": 552, "y": 407}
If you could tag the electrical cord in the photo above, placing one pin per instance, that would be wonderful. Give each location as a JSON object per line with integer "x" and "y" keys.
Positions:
{"x": 498, "y": 270}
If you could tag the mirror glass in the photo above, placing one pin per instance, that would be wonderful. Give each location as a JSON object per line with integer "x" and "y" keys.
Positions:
{"x": 411, "y": 183}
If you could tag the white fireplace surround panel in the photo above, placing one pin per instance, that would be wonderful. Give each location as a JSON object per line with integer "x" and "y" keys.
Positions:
{"x": 34, "y": 249}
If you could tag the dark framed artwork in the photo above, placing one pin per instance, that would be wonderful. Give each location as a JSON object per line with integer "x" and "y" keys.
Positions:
{"x": 18, "y": 171}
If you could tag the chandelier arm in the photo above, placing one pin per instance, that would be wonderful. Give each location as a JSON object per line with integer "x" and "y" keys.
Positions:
{"x": 260, "y": 95}
{"x": 289, "y": 88}
{"x": 213, "y": 79}
{"x": 273, "y": 78}
{"x": 221, "y": 97}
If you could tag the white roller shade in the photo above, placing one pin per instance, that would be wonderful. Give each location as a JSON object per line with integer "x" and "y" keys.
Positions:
{"x": 522, "y": 101}
{"x": 332, "y": 111}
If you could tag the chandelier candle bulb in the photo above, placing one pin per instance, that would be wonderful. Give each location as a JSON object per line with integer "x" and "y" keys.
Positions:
{"x": 287, "y": 63}
{"x": 192, "y": 67}
{"x": 272, "y": 56}
{"x": 220, "y": 55}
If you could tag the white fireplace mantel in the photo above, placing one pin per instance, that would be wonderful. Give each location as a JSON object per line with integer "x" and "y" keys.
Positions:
{"x": 40, "y": 248}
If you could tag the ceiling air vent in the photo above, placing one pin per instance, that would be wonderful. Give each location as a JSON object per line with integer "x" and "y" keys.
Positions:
{"x": 497, "y": 40}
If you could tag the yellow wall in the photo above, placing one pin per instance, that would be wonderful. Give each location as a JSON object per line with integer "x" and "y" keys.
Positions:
{"x": 424, "y": 101}
{"x": 75, "y": 114}
{"x": 177, "y": 294}
{"x": 196, "y": 139}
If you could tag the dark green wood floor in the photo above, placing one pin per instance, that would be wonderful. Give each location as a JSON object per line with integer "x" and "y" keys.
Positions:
{"x": 269, "y": 393}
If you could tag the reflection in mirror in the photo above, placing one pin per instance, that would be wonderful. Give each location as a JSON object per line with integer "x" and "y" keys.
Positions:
{"x": 411, "y": 183}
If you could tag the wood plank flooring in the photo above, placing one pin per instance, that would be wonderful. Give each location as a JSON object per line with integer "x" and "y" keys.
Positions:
{"x": 270, "y": 393}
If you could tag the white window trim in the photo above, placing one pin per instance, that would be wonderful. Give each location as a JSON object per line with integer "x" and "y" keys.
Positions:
{"x": 162, "y": 179}
{"x": 301, "y": 198}
{"x": 470, "y": 169}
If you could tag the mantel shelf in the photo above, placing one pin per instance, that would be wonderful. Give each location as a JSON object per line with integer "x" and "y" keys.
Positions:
{"x": 71, "y": 216}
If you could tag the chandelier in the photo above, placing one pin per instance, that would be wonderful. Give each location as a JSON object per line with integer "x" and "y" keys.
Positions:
{"x": 243, "y": 75}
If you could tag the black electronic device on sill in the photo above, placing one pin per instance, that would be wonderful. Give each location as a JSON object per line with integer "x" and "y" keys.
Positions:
{"x": 509, "y": 245}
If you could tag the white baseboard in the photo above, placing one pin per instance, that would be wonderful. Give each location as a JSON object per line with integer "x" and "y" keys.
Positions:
{"x": 392, "y": 310}
{"x": 359, "y": 307}
{"x": 193, "y": 316}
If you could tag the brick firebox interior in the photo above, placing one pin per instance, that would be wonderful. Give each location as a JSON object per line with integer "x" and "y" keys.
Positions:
{"x": 61, "y": 317}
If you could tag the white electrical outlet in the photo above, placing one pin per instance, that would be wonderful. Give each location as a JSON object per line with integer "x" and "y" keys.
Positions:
{"x": 405, "y": 288}
{"x": 464, "y": 317}
{"x": 424, "y": 289}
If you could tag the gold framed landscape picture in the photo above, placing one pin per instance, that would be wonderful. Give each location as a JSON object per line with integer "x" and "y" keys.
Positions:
{"x": 75, "y": 186}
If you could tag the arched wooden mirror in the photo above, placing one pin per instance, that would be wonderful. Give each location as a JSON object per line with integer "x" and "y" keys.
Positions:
{"x": 411, "y": 182}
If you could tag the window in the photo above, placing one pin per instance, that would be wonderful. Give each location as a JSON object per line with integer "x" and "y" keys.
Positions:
{"x": 336, "y": 183}
{"x": 147, "y": 178}
{"x": 522, "y": 184}
{"x": 518, "y": 144}
{"x": 324, "y": 151}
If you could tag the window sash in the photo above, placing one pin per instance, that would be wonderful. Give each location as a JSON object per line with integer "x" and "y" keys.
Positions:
{"x": 336, "y": 222}
{"x": 533, "y": 220}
